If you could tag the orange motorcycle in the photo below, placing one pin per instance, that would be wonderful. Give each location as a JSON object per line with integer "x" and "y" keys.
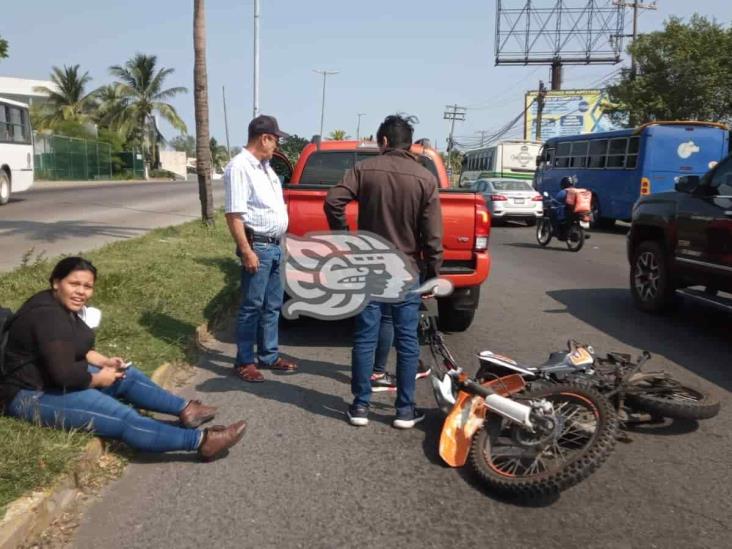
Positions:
{"x": 520, "y": 441}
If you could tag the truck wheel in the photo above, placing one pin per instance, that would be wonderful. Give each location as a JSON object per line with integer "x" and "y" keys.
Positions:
{"x": 599, "y": 222}
{"x": 454, "y": 320}
{"x": 650, "y": 280}
{"x": 4, "y": 188}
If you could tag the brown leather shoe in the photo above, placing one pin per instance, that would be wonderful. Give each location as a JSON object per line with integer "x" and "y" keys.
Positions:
{"x": 196, "y": 413}
{"x": 218, "y": 438}
{"x": 249, "y": 372}
{"x": 281, "y": 365}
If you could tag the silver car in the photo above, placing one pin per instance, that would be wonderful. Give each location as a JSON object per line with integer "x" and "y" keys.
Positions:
{"x": 510, "y": 199}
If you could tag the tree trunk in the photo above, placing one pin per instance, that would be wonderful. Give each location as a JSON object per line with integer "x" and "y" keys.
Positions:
{"x": 200, "y": 84}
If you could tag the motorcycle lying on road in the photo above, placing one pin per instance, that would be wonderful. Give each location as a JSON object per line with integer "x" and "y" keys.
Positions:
{"x": 637, "y": 396}
{"x": 570, "y": 231}
{"x": 521, "y": 441}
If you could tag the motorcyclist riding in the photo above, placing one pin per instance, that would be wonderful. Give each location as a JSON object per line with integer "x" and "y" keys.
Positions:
{"x": 559, "y": 202}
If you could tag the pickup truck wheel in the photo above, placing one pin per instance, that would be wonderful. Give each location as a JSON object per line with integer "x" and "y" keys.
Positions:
{"x": 650, "y": 280}
{"x": 454, "y": 320}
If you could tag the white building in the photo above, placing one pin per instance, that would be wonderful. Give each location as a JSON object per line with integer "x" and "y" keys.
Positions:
{"x": 24, "y": 89}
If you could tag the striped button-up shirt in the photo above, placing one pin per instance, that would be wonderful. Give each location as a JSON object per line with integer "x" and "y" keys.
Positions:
{"x": 254, "y": 191}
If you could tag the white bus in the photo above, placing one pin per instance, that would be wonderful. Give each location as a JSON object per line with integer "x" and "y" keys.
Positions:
{"x": 510, "y": 159}
{"x": 16, "y": 149}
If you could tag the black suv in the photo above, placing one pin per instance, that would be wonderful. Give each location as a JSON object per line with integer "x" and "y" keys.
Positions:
{"x": 683, "y": 238}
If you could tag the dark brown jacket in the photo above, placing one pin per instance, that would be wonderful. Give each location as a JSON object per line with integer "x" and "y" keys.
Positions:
{"x": 397, "y": 200}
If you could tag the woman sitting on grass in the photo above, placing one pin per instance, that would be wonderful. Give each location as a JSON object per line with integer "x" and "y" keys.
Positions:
{"x": 55, "y": 377}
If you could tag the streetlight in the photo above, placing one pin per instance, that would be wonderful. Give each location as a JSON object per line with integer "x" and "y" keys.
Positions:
{"x": 255, "y": 101}
{"x": 322, "y": 107}
{"x": 358, "y": 126}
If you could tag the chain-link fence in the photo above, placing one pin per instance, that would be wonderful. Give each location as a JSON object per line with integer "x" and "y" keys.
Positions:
{"x": 58, "y": 157}
{"x": 130, "y": 163}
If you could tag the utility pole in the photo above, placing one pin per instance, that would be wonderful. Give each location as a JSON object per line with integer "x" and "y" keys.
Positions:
{"x": 226, "y": 124}
{"x": 482, "y": 137}
{"x": 539, "y": 109}
{"x": 636, "y": 6}
{"x": 453, "y": 113}
{"x": 322, "y": 106}
{"x": 358, "y": 125}
{"x": 255, "y": 108}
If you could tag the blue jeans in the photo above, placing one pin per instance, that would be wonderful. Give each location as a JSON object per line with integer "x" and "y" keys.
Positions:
{"x": 385, "y": 341}
{"x": 100, "y": 412}
{"x": 259, "y": 312}
{"x": 405, "y": 319}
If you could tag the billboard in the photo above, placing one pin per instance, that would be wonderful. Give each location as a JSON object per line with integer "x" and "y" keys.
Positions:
{"x": 567, "y": 112}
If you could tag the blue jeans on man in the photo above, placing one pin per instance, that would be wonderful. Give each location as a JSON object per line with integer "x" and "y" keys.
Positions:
{"x": 405, "y": 318}
{"x": 259, "y": 311}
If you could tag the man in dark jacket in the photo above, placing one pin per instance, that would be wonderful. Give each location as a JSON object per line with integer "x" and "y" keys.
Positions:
{"x": 397, "y": 200}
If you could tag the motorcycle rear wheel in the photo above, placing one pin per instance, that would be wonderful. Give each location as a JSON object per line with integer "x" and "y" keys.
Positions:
{"x": 575, "y": 237}
{"x": 669, "y": 398}
{"x": 511, "y": 464}
{"x": 543, "y": 231}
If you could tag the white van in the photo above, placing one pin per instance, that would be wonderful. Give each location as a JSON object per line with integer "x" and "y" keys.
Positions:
{"x": 16, "y": 149}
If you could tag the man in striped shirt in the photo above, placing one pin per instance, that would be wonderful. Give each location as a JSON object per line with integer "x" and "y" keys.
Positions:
{"x": 257, "y": 218}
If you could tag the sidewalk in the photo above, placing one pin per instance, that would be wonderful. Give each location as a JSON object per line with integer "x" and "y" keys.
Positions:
{"x": 44, "y": 185}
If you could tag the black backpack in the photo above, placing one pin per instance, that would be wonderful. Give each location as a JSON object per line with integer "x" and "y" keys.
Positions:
{"x": 6, "y": 319}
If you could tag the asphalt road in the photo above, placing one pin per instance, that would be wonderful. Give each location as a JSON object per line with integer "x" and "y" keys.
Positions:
{"x": 303, "y": 477}
{"x": 53, "y": 221}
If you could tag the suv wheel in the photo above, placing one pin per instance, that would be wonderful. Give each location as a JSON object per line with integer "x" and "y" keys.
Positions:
{"x": 650, "y": 280}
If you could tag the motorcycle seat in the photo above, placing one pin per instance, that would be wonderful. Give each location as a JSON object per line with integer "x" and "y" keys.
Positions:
{"x": 555, "y": 359}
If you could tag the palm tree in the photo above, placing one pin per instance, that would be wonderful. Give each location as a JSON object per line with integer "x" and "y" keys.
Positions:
{"x": 141, "y": 85}
{"x": 219, "y": 155}
{"x": 112, "y": 101}
{"x": 200, "y": 86}
{"x": 338, "y": 135}
{"x": 68, "y": 101}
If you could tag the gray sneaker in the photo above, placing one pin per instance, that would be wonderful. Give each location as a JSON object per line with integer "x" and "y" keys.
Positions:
{"x": 407, "y": 421}
{"x": 358, "y": 415}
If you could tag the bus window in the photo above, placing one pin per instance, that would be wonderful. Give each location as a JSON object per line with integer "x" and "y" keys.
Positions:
{"x": 579, "y": 154}
{"x": 616, "y": 153}
{"x": 598, "y": 151}
{"x": 562, "y": 159}
{"x": 549, "y": 158}
{"x": 4, "y": 133}
{"x": 633, "y": 146}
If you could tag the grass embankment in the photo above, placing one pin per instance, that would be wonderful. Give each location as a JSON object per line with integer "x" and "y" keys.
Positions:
{"x": 153, "y": 291}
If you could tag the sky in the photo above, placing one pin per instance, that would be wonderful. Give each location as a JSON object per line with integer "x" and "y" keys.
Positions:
{"x": 392, "y": 56}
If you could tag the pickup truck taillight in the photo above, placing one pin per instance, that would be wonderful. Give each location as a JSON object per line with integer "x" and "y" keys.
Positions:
{"x": 482, "y": 225}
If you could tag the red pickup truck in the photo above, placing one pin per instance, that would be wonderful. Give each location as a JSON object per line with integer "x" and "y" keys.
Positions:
{"x": 465, "y": 217}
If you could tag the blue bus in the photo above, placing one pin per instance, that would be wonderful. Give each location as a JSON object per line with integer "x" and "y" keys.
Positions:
{"x": 619, "y": 166}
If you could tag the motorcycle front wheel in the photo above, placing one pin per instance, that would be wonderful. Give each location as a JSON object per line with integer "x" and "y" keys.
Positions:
{"x": 575, "y": 237}
{"x": 668, "y": 398}
{"x": 543, "y": 231}
{"x": 513, "y": 461}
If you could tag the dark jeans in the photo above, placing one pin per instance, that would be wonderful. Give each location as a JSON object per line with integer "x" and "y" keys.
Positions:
{"x": 100, "y": 412}
{"x": 405, "y": 320}
{"x": 385, "y": 342}
{"x": 259, "y": 312}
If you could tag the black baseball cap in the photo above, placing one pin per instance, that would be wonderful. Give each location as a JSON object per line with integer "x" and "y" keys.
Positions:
{"x": 265, "y": 124}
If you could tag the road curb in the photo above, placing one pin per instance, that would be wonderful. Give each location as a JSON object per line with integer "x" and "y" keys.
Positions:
{"x": 28, "y": 516}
